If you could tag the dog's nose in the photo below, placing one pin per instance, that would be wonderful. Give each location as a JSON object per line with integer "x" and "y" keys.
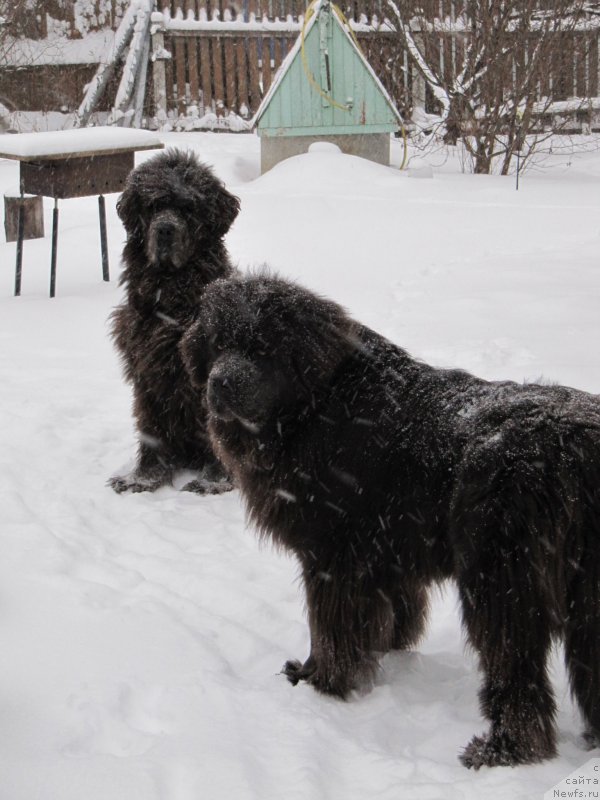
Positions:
{"x": 164, "y": 234}
{"x": 220, "y": 387}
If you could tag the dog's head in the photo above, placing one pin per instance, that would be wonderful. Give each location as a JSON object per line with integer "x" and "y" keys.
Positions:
{"x": 265, "y": 348}
{"x": 173, "y": 205}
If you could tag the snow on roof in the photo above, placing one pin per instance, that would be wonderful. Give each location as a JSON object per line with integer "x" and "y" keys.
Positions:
{"x": 79, "y": 141}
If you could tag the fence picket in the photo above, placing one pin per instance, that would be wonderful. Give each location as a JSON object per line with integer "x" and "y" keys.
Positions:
{"x": 193, "y": 71}
{"x": 180, "y": 63}
{"x": 217, "y": 66}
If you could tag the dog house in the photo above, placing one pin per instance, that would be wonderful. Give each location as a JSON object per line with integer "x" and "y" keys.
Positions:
{"x": 326, "y": 90}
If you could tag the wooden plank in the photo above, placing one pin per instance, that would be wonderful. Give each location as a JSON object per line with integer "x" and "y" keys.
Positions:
{"x": 267, "y": 73}
{"x": 241, "y": 57}
{"x": 77, "y": 177}
{"x": 287, "y": 44}
{"x": 580, "y": 57}
{"x": 277, "y": 59}
{"x": 192, "y": 53}
{"x": 594, "y": 65}
{"x": 217, "y": 70}
{"x": 254, "y": 75}
{"x": 169, "y": 77}
{"x": 231, "y": 98}
{"x": 448, "y": 58}
{"x": 206, "y": 72}
{"x": 180, "y": 49}
{"x": 565, "y": 68}
{"x": 33, "y": 217}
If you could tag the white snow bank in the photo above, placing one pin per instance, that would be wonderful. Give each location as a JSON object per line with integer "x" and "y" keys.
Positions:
{"x": 142, "y": 635}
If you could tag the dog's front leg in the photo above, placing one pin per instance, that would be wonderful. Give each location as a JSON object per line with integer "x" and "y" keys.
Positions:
{"x": 151, "y": 472}
{"x": 348, "y": 620}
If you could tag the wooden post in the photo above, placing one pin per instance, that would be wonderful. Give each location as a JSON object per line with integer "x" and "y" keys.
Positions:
{"x": 19, "y": 263}
{"x": 54, "y": 248}
{"x": 103, "y": 241}
{"x": 159, "y": 74}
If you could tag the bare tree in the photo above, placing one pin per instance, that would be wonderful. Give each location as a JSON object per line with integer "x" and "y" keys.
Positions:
{"x": 507, "y": 63}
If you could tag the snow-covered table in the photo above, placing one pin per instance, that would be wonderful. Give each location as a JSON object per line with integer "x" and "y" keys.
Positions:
{"x": 75, "y": 163}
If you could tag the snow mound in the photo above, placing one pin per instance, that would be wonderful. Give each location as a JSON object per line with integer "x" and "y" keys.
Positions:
{"x": 326, "y": 169}
{"x": 324, "y": 147}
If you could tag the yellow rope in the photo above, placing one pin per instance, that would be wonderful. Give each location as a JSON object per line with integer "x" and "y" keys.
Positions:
{"x": 309, "y": 75}
{"x": 311, "y": 78}
{"x": 405, "y": 142}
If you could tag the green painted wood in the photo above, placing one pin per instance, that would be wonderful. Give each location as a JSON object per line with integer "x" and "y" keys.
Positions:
{"x": 323, "y": 130}
{"x": 295, "y": 108}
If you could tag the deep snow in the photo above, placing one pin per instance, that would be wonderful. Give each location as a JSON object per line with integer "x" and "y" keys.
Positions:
{"x": 142, "y": 635}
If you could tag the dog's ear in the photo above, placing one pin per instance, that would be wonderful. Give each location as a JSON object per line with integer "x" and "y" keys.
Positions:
{"x": 222, "y": 209}
{"x": 312, "y": 333}
{"x": 195, "y": 353}
{"x": 128, "y": 208}
{"x": 322, "y": 337}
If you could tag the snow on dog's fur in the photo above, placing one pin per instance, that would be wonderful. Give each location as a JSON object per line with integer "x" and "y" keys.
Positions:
{"x": 175, "y": 212}
{"x": 385, "y": 475}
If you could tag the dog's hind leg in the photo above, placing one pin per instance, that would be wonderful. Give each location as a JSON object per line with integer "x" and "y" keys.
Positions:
{"x": 411, "y": 605}
{"x": 582, "y": 641}
{"x": 508, "y": 627}
{"x": 498, "y": 521}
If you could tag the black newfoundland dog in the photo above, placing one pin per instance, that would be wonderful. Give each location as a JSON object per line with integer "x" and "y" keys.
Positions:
{"x": 384, "y": 475}
{"x": 175, "y": 213}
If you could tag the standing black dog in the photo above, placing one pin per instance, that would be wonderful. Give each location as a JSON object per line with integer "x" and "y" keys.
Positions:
{"x": 383, "y": 475}
{"x": 175, "y": 212}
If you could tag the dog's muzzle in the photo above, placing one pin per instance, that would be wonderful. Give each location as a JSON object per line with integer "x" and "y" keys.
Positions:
{"x": 220, "y": 392}
{"x": 167, "y": 242}
{"x": 235, "y": 390}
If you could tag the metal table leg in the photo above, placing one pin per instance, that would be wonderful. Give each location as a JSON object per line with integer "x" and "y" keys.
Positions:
{"x": 103, "y": 241}
{"x": 54, "y": 248}
{"x": 20, "y": 234}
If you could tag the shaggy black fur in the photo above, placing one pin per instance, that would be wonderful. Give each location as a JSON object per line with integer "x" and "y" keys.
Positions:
{"x": 384, "y": 475}
{"x": 175, "y": 213}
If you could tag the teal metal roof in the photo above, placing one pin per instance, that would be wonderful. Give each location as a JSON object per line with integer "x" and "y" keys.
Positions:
{"x": 342, "y": 94}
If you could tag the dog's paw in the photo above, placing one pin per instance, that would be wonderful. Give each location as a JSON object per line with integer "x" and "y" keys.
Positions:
{"x": 135, "y": 483}
{"x": 497, "y": 750}
{"x": 293, "y": 671}
{"x": 204, "y": 486}
{"x": 486, "y": 752}
{"x": 591, "y": 739}
{"x": 118, "y": 483}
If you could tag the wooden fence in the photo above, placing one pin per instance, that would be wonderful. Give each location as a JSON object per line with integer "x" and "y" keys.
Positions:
{"x": 225, "y": 62}
{"x": 224, "y": 54}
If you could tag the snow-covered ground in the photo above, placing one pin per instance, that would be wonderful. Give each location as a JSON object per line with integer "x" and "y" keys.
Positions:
{"x": 142, "y": 635}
